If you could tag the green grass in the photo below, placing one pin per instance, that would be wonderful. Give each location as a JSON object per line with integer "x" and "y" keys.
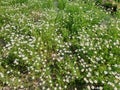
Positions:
{"x": 58, "y": 45}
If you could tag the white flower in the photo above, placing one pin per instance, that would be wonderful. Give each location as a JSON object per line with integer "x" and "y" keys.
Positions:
{"x": 109, "y": 68}
{"x": 85, "y": 79}
{"x": 22, "y": 86}
{"x": 75, "y": 88}
{"x": 67, "y": 80}
{"x": 115, "y": 88}
{"x": 105, "y": 72}
{"x": 8, "y": 72}
{"x": 1, "y": 74}
{"x": 55, "y": 88}
{"x": 33, "y": 77}
{"x": 48, "y": 88}
{"x": 25, "y": 58}
{"x": 89, "y": 74}
{"x": 101, "y": 88}
{"x": 50, "y": 81}
{"x": 88, "y": 87}
{"x": 19, "y": 80}
{"x": 65, "y": 86}
{"x": 91, "y": 81}
{"x": 60, "y": 88}
{"x": 43, "y": 88}
{"x": 95, "y": 81}
{"x": 93, "y": 87}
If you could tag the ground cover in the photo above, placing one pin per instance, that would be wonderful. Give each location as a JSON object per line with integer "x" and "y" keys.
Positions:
{"x": 58, "y": 45}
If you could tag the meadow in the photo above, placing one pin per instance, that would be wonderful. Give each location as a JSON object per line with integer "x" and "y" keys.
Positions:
{"x": 58, "y": 45}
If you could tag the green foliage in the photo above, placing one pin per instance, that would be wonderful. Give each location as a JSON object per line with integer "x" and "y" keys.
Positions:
{"x": 58, "y": 45}
{"x": 18, "y": 1}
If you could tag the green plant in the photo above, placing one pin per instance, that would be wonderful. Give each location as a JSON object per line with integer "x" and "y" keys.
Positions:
{"x": 58, "y": 45}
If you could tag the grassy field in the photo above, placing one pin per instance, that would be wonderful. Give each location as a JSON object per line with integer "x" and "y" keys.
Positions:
{"x": 58, "y": 45}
